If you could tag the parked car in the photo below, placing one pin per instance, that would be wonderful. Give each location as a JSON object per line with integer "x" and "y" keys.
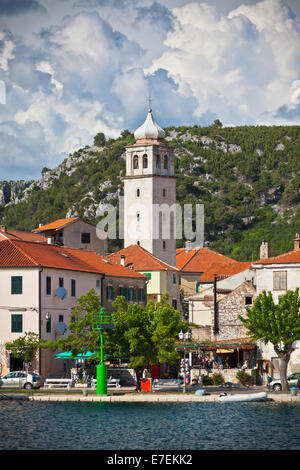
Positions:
{"x": 21, "y": 379}
{"x": 291, "y": 379}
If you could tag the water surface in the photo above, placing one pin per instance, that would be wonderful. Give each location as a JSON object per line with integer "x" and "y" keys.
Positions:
{"x": 141, "y": 426}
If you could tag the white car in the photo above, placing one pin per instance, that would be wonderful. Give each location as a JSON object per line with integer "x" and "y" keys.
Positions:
{"x": 21, "y": 379}
{"x": 291, "y": 379}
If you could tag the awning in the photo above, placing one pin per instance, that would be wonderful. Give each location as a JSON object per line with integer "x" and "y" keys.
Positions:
{"x": 223, "y": 351}
{"x": 68, "y": 355}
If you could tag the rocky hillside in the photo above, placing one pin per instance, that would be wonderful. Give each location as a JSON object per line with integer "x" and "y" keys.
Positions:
{"x": 10, "y": 190}
{"x": 247, "y": 177}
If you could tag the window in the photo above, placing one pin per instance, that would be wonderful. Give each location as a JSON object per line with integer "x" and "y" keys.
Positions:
{"x": 61, "y": 282}
{"x": 17, "y": 285}
{"x": 138, "y": 243}
{"x": 248, "y": 300}
{"x": 157, "y": 161}
{"x": 164, "y": 245}
{"x": 174, "y": 303}
{"x": 123, "y": 291}
{"x": 164, "y": 193}
{"x": 279, "y": 280}
{"x": 138, "y": 216}
{"x": 109, "y": 292}
{"x": 135, "y": 162}
{"x": 166, "y": 162}
{"x": 145, "y": 161}
{"x": 131, "y": 293}
{"x": 174, "y": 278}
{"x": 73, "y": 288}
{"x": 98, "y": 283}
{"x": 16, "y": 323}
{"x": 48, "y": 285}
{"x": 141, "y": 295}
{"x": 48, "y": 325}
{"x": 60, "y": 318}
{"x": 137, "y": 193}
{"x": 85, "y": 238}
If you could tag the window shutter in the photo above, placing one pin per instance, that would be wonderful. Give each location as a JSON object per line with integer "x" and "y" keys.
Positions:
{"x": 16, "y": 285}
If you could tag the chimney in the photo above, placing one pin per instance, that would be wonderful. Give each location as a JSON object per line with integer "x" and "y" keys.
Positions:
{"x": 297, "y": 242}
{"x": 3, "y": 228}
{"x": 123, "y": 260}
{"x": 264, "y": 250}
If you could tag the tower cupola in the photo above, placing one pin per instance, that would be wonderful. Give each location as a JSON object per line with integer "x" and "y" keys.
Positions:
{"x": 149, "y": 130}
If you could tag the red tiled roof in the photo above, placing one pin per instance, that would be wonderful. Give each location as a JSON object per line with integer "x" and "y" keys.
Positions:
{"x": 290, "y": 257}
{"x": 140, "y": 259}
{"x": 106, "y": 266}
{"x": 224, "y": 270}
{"x": 26, "y": 236}
{"x": 199, "y": 259}
{"x": 57, "y": 224}
{"x": 28, "y": 254}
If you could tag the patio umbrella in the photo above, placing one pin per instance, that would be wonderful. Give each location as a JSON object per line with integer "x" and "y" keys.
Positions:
{"x": 68, "y": 355}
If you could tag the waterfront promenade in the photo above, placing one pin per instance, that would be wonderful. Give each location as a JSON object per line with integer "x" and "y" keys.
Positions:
{"x": 151, "y": 398}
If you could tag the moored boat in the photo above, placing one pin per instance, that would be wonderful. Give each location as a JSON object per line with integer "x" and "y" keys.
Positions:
{"x": 259, "y": 396}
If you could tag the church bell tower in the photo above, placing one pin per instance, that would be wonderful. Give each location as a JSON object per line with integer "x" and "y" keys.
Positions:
{"x": 150, "y": 192}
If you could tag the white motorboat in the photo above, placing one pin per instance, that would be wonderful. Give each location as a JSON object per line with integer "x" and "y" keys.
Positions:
{"x": 259, "y": 396}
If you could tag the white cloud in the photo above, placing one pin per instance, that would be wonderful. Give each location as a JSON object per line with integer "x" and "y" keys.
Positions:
{"x": 87, "y": 66}
{"x": 6, "y": 51}
{"x": 249, "y": 56}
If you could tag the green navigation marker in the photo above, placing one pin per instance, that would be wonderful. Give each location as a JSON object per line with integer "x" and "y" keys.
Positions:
{"x": 100, "y": 323}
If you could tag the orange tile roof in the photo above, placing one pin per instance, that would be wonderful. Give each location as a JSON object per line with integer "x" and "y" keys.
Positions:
{"x": 290, "y": 257}
{"x": 199, "y": 259}
{"x": 106, "y": 266}
{"x": 18, "y": 235}
{"x": 17, "y": 253}
{"x": 224, "y": 270}
{"x": 140, "y": 259}
{"x": 56, "y": 225}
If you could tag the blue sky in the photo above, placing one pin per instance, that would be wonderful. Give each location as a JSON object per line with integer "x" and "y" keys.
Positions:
{"x": 72, "y": 68}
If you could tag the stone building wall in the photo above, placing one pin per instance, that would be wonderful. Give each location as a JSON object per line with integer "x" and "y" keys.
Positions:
{"x": 229, "y": 308}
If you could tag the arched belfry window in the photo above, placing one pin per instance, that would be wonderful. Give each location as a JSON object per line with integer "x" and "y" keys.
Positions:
{"x": 135, "y": 162}
{"x": 166, "y": 162}
{"x": 157, "y": 161}
{"x": 145, "y": 161}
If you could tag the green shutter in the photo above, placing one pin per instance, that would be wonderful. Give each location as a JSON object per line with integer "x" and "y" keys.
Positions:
{"x": 16, "y": 323}
{"x": 17, "y": 285}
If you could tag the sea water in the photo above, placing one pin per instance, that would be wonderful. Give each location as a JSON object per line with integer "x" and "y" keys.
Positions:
{"x": 27, "y": 425}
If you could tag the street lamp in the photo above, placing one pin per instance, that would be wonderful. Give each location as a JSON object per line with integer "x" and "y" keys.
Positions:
{"x": 184, "y": 337}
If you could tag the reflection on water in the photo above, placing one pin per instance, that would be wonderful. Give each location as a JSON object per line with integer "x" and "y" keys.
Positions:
{"x": 164, "y": 426}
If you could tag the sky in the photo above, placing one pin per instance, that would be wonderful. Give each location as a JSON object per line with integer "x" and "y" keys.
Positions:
{"x": 72, "y": 68}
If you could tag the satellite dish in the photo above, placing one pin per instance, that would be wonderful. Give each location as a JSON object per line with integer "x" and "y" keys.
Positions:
{"x": 61, "y": 293}
{"x": 61, "y": 327}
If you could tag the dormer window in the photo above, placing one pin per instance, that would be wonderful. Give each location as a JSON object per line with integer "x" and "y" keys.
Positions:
{"x": 135, "y": 162}
{"x": 166, "y": 162}
{"x": 145, "y": 161}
